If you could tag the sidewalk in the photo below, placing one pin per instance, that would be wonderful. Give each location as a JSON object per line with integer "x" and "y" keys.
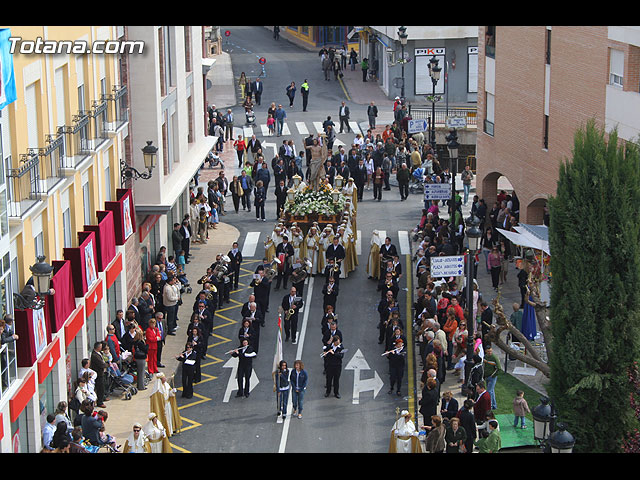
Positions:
{"x": 124, "y": 413}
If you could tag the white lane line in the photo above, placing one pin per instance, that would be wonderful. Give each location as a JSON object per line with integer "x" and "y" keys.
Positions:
{"x": 301, "y": 335}
{"x": 302, "y": 128}
{"x": 355, "y": 128}
{"x": 403, "y": 241}
{"x": 318, "y": 127}
{"x": 359, "y": 243}
{"x": 250, "y": 244}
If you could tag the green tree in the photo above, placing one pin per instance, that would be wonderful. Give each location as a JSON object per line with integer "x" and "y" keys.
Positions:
{"x": 594, "y": 237}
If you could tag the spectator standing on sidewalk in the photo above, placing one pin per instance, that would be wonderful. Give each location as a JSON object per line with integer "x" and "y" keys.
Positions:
{"x": 365, "y": 66}
{"x": 403, "y": 176}
{"x": 467, "y": 176}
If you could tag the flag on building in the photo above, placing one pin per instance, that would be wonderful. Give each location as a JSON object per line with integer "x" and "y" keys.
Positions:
{"x": 7, "y": 78}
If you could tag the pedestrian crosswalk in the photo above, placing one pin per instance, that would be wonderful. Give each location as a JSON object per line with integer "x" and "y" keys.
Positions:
{"x": 299, "y": 128}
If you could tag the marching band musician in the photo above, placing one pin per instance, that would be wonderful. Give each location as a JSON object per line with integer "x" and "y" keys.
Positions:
{"x": 257, "y": 321}
{"x": 394, "y": 331}
{"x": 328, "y": 318}
{"x": 331, "y": 270}
{"x": 247, "y": 332}
{"x": 330, "y": 292}
{"x": 245, "y": 355}
{"x": 197, "y": 340}
{"x": 388, "y": 283}
{"x": 397, "y": 267}
{"x": 291, "y": 305}
{"x": 388, "y": 250}
{"x": 337, "y": 252}
{"x": 311, "y": 247}
{"x": 299, "y": 275}
{"x": 386, "y": 306}
{"x": 235, "y": 255}
{"x": 333, "y": 367}
{"x": 261, "y": 289}
{"x": 285, "y": 253}
{"x": 396, "y": 359}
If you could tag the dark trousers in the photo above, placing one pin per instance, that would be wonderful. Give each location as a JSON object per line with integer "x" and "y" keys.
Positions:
{"x": 395, "y": 376}
{"x": 305, "y": 99}
{"x": 360, "y": 187}
{"x": 246, "y": 200}
{"x": 282, "y": 278}
{"x": 377, "y": 191}
{"x": 100, "y": 389}
{"x": 188, "y": 373}
{"x": 495, "y": 276}
{"x": 244, "y": 376}
{"x": 344, "y": 121}
{"x": 260, "y": 211}
{"x": 236, "y": 276}
{"x": 236, "y": 202}
{"x": 159, "y": 353}
{"x": 404, "y": 190}
{"x": 386, "y": 181}
{"x": 364, "y": 75}
{"x": 291, "y": 327}
{"x": 240, "y": 154}
{"x": 172, "y": 313}
{"x": 333, "y": 379}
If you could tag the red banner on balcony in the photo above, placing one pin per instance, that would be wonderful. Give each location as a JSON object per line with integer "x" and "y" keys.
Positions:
{"x": 60, "y": 305}
{"x": 83, "y": 263}
{"x": 73, "y": 325}
{"x": 32, "y": 328}
{"x": 105, "y": 238}
{"x": 124, "y": 215}
{"x": 113, "y": 270}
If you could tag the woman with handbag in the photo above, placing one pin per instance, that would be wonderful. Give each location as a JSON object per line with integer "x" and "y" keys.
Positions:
{"x": 236, "y": 192}
{"x": 140, "y": 349}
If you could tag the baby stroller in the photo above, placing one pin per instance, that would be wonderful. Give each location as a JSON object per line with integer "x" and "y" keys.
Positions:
{"x": 118, "y": 380}
{"x": 251, "y": 117}
{"x": 417, "y": 181}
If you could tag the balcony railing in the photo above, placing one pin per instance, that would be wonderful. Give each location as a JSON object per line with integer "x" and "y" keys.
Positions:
{"x": 441, "y": 114}
{"x": 76, "y": 140}
{"x": 99, "y": 116}
{"x": 23, "y": 184}
{"x": 51, "y": 162}
{"x": 118, "y": 109}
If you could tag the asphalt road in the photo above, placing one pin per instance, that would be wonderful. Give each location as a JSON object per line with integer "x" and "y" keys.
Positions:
{"x": 361, "y": 424}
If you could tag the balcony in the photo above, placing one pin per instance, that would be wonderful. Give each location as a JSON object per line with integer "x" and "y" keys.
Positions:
{"x": 23, "y": 184}
{"x": 98, "y": 115}
{"x": 76, "y": 140}
{"x": 118, "y": 108}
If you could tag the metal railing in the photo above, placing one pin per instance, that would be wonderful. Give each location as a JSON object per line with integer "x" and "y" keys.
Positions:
{"x": 118, "y": 108}
{"x": 51, "y": 164}
{"x": 99, "y": 116}
{"x": 23, "y": 184}
{"x": 8, "y": 367}
{"x": 441, "y": 114}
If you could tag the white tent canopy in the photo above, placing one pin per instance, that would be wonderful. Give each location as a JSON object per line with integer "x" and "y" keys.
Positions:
{"x": 531, "y": 236}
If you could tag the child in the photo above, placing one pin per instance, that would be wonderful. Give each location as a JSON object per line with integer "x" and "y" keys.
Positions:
{"x": 520, "y": 408}
{"x": 271, "y": 124}
{"x": 171, "y": 265}
{"x": 181, "y": 264}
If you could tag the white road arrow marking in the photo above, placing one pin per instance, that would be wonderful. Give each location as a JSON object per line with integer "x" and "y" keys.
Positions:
{"x": 357, "y": 364}
{"x": 232, "y": 384}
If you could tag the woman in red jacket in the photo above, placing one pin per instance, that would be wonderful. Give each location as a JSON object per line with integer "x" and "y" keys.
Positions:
{"x": 152, "y": 337}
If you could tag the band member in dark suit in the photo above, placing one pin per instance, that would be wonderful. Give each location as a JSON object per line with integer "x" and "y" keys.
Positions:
{"x": 330, "y": 270}
{"x": 387, "y": 251}
{"x": 284, "y": 270}
{"x": 385, "y": 307}
{"x": 188, "y": 359}
{"x": 261, "y": 289}
{"x": 336, "y": 251}
{"x": 245, "y": 355}
{"x": 359, "y": 175}
{"x": 388, "y": 283}
{"x": 291, "y": 305}
{"x": 333, "y": 367}
{"x": 328, "y": 318}
{"x": 281, "y": 196}
{"x": 396, "y": 359}
{"x": 330, "y": 291}
{"x": 236, "y": 260}
{"x": 256, "y": 318}
{"x": 247, "y": 331}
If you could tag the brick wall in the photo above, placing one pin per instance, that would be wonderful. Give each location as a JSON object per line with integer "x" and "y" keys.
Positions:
{"x": 579, "y": 71}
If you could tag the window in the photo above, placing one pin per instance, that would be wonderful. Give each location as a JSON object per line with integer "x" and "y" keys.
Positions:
{"x": 66, "y": 219}
{"x": 545, "y": 138}
{"x": 472, "y": 78}
{"x": 547, "y": 48}
{"x": 490, "y": 41}
{"x": 616, "y": 67}
{"x": 489, "y": 114}
{"x": 86, "y": 196}
{"x": 61, "y": 95}
{"x": 32, "y": 114}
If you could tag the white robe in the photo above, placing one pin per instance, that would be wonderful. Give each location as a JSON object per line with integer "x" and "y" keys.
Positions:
{"x": 154, "y": 433}
{"x": 312, "y": 254}
{"x": 404, "y": 428}
{"x": 166, "y": 392}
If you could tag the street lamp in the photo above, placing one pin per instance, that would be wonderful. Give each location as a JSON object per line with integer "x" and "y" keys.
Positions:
{"x": 434, "y": 73}
{"x": 542, "y": 420}
{"x": 561, "y": 441}
{"x": 149, "y": 155}
{"x": 402, "y": 34}
{"x": 338, "y": 181}
{"x": 452, "y": 146}
{"x": 37, "y": 286}
{"x": 473, "y": 236}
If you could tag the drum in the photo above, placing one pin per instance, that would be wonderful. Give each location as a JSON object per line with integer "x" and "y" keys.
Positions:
{"x": 281, "y": 266}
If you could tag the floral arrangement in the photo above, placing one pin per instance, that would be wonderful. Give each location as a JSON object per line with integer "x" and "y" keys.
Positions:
{"x": 321, "y": 202}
